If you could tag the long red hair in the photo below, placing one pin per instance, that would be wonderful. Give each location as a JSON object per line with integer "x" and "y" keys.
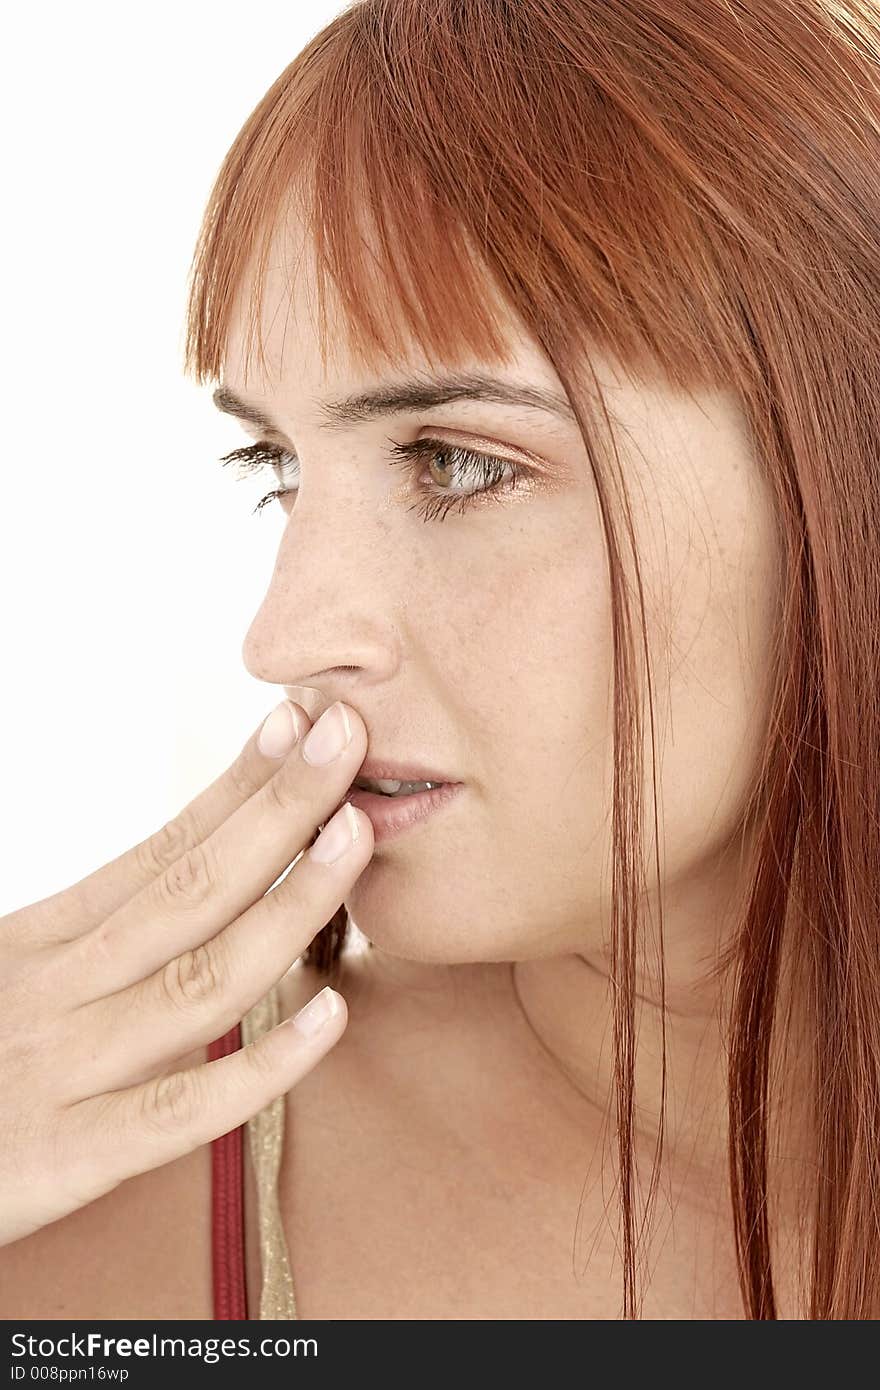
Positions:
{"x": 692, "y": 187}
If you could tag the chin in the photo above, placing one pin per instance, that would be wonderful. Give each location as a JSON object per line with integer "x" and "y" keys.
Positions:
{"x": 429, "y": 941}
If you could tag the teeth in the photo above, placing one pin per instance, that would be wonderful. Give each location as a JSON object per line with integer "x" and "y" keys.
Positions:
{"x": 392, "y": 788}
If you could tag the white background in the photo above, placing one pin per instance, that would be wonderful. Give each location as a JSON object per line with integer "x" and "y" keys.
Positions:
{"x": 130, "y": 562}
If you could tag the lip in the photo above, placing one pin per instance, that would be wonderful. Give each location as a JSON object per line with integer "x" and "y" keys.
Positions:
{"x": 376, "y": 769}
{"x": 391, "y": 815}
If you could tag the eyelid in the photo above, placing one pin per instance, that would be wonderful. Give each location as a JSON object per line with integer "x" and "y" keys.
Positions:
{"x": 476, "y": 442}
{"x": 269, "y": 437}
{"x": 551, "y": 476}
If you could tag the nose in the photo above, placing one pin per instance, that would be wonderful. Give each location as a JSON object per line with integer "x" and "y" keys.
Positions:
{"x": 292, "y": 650}
{"x": 330, "y": 621}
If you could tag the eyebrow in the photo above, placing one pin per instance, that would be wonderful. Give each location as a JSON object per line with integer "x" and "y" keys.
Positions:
{"x": 409, "y": 395}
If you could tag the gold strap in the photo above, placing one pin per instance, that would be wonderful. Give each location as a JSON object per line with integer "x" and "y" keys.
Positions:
{"x": 266, "y": 1130}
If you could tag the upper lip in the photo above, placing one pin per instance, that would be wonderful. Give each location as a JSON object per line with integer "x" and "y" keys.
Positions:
{"x": 399, "y": 772}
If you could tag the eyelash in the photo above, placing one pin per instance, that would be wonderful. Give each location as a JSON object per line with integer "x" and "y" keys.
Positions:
{"x": 491, "y": 471}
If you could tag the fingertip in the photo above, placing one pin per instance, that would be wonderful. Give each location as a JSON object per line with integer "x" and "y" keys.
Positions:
{"x": 365, "y": 825}
{"x": 282, "y": 730}
{"x": 301, "y": 721}
{"x": 326, "y": 1007}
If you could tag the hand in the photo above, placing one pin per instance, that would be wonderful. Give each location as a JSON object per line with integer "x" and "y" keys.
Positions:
{"x": 159, "y": 952}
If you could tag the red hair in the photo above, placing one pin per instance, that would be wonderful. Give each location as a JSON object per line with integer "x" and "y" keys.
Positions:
{"x": 692, "y": 187}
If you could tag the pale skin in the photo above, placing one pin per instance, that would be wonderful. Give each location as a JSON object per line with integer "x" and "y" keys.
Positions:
{"x": 465, "y": 1092}
{"x": 483, "y": 642}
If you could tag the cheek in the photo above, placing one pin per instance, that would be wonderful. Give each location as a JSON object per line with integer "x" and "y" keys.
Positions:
{"x": 537, "y": 676}
{"x": 712, "y": 691}
{"x": 532, "y": 653}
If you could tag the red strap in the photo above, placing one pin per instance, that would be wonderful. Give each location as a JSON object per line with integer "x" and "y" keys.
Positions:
{"x": 227, "y": 1206}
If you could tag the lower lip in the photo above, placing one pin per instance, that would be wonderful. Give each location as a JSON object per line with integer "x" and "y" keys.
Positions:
{"x": 391, "y": 814}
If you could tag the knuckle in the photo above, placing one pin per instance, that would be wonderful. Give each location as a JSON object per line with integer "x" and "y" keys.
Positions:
{"x": 159, "y": 852}
{"x": 281, "y": 792}
{"x": 190, "y": 880}
{"x": 241, "y": 779}
{"x": 261, "y": 1058}
{"x": 285, "y": 900}
{"x": 191, "y": 978}
{"x": 169, "y": 1103}
{"x": 93, "y": 953}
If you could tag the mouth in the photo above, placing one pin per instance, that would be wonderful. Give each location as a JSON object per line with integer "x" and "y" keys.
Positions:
{"x": 395, "y": 795}
{"x": 392, "y": 788}
{"x": 398, "y": 780}
{"x": 393, "y": 812}
{"x": 398, "y": 795}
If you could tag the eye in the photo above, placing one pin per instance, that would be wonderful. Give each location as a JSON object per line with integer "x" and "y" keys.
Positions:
{"x": 253, "y": 458}
{"x": 491, "y": 477}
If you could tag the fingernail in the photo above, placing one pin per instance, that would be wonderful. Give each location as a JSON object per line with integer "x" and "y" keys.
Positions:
{"x": 328, "y": 737}
{"x": 312, "y": 1016}
{"x": 280, "y": 731}
{"x": 338, "y": 835}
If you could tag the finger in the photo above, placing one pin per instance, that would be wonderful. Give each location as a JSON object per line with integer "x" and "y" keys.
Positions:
{"x": 77, "y": 909}
{"x": 148, "y": 1125}
{"x": 200, "y": 995}
{"x": 215, "y": 881}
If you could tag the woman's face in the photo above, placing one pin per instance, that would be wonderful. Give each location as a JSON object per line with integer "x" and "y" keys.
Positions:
{"x": 479, "y": 643}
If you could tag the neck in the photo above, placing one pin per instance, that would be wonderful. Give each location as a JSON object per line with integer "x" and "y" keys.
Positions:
{"x": 567, "y": 1003}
